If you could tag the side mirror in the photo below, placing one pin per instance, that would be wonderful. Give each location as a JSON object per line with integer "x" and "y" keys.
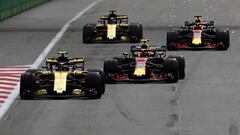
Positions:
{"x": 183, "y": 27}
{"x": 211, "y": 27}
{"x": 164, "y": 47}
{"x": 125, "y": 54}
{"x": 133, "y": 47}
{"x": 79, "y": 67}
{"x": 160, "y": 53}
{"x": 100, "y": 21}
{"x": 44, "y": 67}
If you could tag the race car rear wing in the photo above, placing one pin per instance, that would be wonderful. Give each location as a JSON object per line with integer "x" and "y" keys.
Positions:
{"x": 198, "y": 16}
{"x": 121, "y": 18}
{"x": 78, "y": 62}
{"x": 75, "y": 62}
{"x": 118, "y": 17}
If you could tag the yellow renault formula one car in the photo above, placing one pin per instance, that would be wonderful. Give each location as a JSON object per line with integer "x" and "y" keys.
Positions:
{"x": 113, "y": 28}
{"x": 62, "y": 76}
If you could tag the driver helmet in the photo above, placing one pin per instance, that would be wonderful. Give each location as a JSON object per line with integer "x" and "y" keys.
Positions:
{"x": 58, "y": 67}
{"x": 62, "y": 67}
{"x": 112, "y": 20}
{"x": 65, "y": 68}
{"x": 144, "y": 44}
{"x": 198, "y": 19}
{"x": 197, "y": 27}
{"x": 62, "y": 59}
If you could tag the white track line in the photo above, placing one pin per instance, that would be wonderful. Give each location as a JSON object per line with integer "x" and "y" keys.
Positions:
{"x": 60, "y": 34}
{"x": 42, "y": 56}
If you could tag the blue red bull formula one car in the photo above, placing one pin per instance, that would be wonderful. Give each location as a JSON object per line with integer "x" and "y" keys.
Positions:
{"x": 198, "y": 34}
{"x": 145, "y": 63}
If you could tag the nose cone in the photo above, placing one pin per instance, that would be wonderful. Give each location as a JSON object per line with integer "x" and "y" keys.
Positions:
{"x": 197, "y": 37}
{"x": 196, "y": 41}
{"x": 60, "y": 82}
{"x": 139, "y": 71}
{"x": 111, "y": 31}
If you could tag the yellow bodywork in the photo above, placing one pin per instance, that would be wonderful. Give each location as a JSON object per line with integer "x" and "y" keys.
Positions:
{"x": 60, "y": 82}
{"x": 49, "y": 60}
{"x": 81, "y": 59}
{"x": 197, "y": 38}
{"x": 197, "y": 41}
{"x": 140, "y": 71}
{"x": 111, "y": 31}
{"x": 118, "y": 17}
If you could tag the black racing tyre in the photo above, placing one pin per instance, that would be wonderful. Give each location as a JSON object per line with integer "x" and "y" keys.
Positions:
{"x": 172, "y": 38}
{"x": 110, "y": 67}
{"x": 27, "y": 86}
{"x": 223, "y": 37}
{"x": 94, "y": 82}
{"x": 181, "y": 65}
{"x": 135, "y": 32}
{"x": 102, "y": 74}
{"x": 171, "y": 67}
{"x": 88, "y": 33}
{"x": 33, "y": 70}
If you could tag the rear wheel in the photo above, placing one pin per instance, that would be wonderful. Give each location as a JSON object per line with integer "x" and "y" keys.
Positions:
{"x": 223, "y": 38}
{"x": 88, "y": 33}
{"x": 171, "y": 69}
{"x": 27, "y": 86}
{"x": 181, "y": 65}
{"x": 94, "y": 84}
{"x": 135, "y": 32}
{"x": 172, "y": 38}
{"x": 110, "y": 67}
{"x": 102, "y": 74}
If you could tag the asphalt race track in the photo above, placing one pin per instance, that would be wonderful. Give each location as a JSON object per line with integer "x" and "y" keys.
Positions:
{"x": 205, "y": 103}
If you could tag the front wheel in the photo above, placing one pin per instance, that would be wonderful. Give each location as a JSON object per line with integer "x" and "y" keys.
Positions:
{"x": 88, "y": 33}
{"x": 181, "y": 65}
{"x": 110, "y": 67}
{"x": 135, "y": 32}
{"x": 27, "y": 86}
{"x": 172, "y": 38}
{"x": 102, "y": 74}
{"x": 94, "y": 85}
{"x": 223, "y": 39}
{"x": 171, "y": 70}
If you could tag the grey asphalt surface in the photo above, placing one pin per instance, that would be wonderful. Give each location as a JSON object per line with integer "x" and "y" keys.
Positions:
{"x": 205, "y": 103}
